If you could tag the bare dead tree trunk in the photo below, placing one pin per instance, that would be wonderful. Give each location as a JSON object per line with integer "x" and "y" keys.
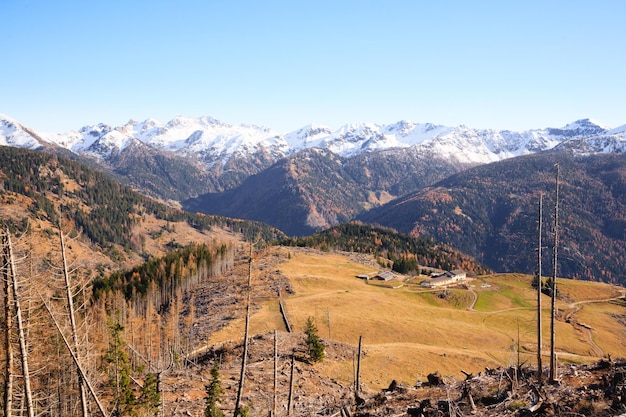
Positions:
{"x": 70, "y": 306}
{"x": 244, "y": 360}
{"x": 328, "y": 320}
{"x": 75, "y": 359}
{"x": 275, "y": 372}
{"x": 159, "y": 390}
{"x": 553, "y": 372}
{"x": 20, "y": 329}
{"x": 8, "y": 317}
{"x": 133, "y": 363}
{"x": 519, "y": 363}
{"x": 539, "y": 285}
{"x": 291, "y": 382}
{"x": 357, "y": 382}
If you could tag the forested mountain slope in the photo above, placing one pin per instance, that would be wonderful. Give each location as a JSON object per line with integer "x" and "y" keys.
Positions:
{"x": 40, "y": 190}
{"x": 491, "y": 213}
{"x": 68, "y": 234}
{"x": 315, "y": 188}
{"x": 406, "y": 254}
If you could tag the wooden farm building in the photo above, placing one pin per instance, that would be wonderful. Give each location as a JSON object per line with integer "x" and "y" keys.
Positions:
{"x": 385, "y": 276}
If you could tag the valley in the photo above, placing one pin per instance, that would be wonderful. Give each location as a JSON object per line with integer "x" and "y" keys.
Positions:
{"x": 474, "y": 190}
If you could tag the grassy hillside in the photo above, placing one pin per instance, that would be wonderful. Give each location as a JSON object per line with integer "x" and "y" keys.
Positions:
{"x": 409, "y": 332}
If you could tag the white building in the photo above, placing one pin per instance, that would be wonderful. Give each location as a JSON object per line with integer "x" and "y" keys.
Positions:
{"x": 445, "y": 278}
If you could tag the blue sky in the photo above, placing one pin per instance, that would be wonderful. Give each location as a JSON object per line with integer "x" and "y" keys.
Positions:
{"x": 283, "y": 64}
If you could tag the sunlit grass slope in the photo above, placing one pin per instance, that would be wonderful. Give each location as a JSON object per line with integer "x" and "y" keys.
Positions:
{"x": 409, "y": 332}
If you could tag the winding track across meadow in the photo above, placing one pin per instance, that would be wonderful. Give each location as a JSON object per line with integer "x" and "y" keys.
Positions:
{"x": 597, "y": 350}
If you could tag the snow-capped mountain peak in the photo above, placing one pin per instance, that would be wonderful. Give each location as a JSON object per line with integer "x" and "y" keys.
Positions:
{"x": 582, "y": 123}
{"x": 585, "y": 127}
{"x": 12, "y": 133}
{"x": 212, "y": 141}
{"x": 141, "y": 130}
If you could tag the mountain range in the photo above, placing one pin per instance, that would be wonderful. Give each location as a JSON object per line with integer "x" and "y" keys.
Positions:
{"x": 308, "y": 179}
{"x": 472, "y": 189}
{"x": 180, "y": 296}
{"x": 213, "y": 142}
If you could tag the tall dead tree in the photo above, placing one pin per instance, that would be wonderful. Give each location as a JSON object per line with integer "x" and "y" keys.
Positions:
{"x": 75, "y": 340}
{"x": 274, "y": 404}
{"x": 539, "y": 285}
{"x": 291, "y": 382}
{"x": 20, "y": 325}
{"x": 357, "y": 379}
{"x": 553, "y": 375}
{"x": 244, "y": 359}
{"x": 74, "y": 358}
{"x": 8, "y": 318}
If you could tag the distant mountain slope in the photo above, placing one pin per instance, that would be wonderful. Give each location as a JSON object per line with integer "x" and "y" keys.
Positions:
{"x": 298, "y": 195}
{"x": 157, "y": 173}
{"x": 315, "y": 188}
{"x": 188, "y": 156}
{"x": 490, "y": 212}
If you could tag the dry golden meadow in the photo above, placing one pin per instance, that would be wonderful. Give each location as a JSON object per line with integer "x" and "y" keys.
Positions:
{"x": 409, "y": 332}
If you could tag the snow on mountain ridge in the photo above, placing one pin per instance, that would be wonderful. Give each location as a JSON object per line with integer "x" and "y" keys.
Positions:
{"x": 607, "y": 143}
{"x": 211, "y": 140}
{"x": 617, "y": 130}
{"x": 196, "y": 137}
{"x": 585, "y": 124}
{"x": 14, "y": 134}
{"x": 111, "y": 142}
{"x": 141, "y": 130}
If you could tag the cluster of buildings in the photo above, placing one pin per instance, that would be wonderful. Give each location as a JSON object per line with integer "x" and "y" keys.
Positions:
{"x": 381, "y": 276}
{"x": 444, "y": 279}
{"x": 437, "y": 279}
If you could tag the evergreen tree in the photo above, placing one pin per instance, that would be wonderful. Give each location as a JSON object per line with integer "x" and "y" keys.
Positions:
{"x": 150, "y": 399}
{"x": 313, "y": 342}
{"x": 119, "y": 372}
{"x": 213, "y": 391}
